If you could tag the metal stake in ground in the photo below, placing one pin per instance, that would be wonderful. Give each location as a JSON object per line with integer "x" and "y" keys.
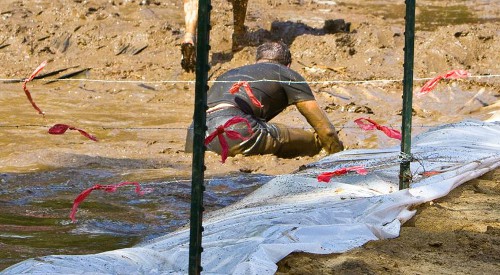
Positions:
{"x": 200, "y": 117}
{"x": 404, "y": 172}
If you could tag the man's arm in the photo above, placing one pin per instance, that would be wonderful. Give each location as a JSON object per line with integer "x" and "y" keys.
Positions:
{"x": 322, "y": 126}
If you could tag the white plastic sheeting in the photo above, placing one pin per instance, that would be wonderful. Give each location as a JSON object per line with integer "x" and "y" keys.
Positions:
{"x": 297, "y": 213}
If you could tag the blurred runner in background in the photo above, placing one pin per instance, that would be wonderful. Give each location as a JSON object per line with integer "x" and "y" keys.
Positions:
{"x": 188, "y": 46}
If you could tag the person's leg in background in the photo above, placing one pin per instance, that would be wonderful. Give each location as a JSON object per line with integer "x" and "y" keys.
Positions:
{"x": 239, "y": 29}
{"x": 188, "y": 46}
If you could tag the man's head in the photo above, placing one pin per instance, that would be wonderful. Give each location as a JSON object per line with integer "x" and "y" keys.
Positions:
{"x": 274, "y": 52}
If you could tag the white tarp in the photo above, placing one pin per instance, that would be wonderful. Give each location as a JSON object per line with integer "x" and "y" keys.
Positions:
{"x": 297, "y": 213}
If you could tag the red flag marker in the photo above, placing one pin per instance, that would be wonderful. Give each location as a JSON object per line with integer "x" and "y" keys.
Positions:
{"x": 60, "y": 129}
{"x": 371, "y": 125}
{"x": 108, "y": 188}
{"x": 27, "y": 92}
{"x": 454, "y": 74}
{"x": 325, "y": 177}
{"x": 236, "y": 88}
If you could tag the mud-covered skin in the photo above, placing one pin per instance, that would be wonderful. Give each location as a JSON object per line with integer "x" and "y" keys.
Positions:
{"x": 188, "y": 60}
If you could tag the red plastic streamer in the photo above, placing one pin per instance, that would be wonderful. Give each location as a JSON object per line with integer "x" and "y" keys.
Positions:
{"x": 371, "y": 125}
{"x": 236, "y": 88}
{"x": 60, "y": 129}
{"x": 229, "y": 133}
{"x": 430, "y": 173}
{"x": 27, "y": 92}
{"x": 108, "y": 188}
{"x": 325, "y": 177}
{"x": 454, "y": 74}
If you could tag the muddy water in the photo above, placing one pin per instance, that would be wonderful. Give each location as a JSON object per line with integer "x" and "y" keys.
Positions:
{"x": 41, "y": 174}
{"x": 433, "y": 14}
{"x": 115, "y": 113}
{"x": 141, "y": 127}
{"x": 34, "y": 219}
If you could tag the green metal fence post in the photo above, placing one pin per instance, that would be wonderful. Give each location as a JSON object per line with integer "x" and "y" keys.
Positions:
{"x": 405, "y": 173}
{"x": 200, "y": 107}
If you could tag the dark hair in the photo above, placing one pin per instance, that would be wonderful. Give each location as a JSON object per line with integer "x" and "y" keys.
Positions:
{"x": 274, "y": 51}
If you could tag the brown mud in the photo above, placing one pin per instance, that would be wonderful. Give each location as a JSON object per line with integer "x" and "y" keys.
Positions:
{"x": 138, "y": 102}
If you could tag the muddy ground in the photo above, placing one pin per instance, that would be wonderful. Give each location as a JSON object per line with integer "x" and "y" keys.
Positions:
{"x": 138, "y": 102}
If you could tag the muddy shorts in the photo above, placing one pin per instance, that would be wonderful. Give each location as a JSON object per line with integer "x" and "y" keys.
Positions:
{"x": 267, "y": 138}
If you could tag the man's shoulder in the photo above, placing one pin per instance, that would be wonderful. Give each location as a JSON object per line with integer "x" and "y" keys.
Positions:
{"x": 265, "y": 66}
{"x": 279, "y": 70}
{"x": 262, "y": 70}
{"x": 252, "y": 70}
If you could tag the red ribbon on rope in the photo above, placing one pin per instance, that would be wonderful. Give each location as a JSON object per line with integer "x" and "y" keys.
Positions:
{"x": 454, "y": 74}
{"x": 236, "y": 88}
{"x": 27, "y": 92}
{"x": 373, "y": 125}
{"x": 325, "y": 177}
{"x": 219, "y": 131}
{"x": 108, "y": 188}
{"x": 60, "y": 129}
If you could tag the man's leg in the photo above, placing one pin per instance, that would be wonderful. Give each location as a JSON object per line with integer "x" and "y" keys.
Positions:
{"x": 296, "y": 142}
{"x": 280, "y": 140}
{"x": 188, "y": 44}
{"x": 190, "y": 19}
{"x": 239, "y": 14}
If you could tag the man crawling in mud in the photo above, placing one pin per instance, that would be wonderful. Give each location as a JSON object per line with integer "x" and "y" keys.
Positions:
{"x": 188, "y": 46}
{"x": 275, "y": 86}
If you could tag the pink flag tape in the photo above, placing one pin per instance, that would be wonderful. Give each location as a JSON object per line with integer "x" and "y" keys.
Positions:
{"x": 108, "y": 188}
{"x": 371, "y": 125}
{"x": 60, "y": 129}
{"x": 236, "y": 88}
{"x": 229, "y": 133}
{"x": 454, "y": 74}
{"x": 325, "y": 177}
{"x": 27, "y": 92}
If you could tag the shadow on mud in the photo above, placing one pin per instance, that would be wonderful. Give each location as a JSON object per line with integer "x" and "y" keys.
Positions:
{"x": 283, "y": 31}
